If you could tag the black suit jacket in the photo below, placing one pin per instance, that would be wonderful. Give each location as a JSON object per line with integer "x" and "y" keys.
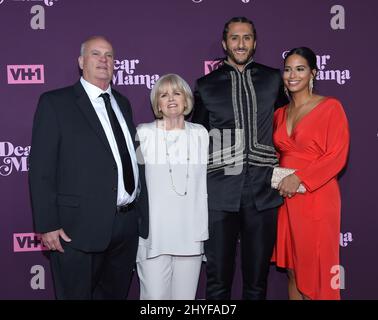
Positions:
{"x": 72, "y": 174}
{"x": 238, "y": 107}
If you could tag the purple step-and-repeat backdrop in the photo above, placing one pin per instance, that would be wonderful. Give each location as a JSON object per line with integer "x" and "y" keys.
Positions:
{"x": 40, "y": 45}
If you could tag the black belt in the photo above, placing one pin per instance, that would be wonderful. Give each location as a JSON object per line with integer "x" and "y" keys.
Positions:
{"x": 126, "y": 208}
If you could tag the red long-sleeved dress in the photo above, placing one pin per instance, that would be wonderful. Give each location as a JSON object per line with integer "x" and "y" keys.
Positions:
{"x": 309, "y": 224}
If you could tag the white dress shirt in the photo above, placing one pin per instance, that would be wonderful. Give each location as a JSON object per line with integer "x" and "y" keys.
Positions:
{"x": 93, "y": 92}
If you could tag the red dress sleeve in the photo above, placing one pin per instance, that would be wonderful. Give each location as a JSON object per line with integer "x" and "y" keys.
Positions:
{"x": 329, "y": 164}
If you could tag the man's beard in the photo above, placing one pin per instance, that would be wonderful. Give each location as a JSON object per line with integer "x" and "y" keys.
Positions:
{"x": 237, "y": 61}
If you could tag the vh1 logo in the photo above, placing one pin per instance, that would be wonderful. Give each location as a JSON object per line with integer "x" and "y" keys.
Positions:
{"x": 211, "y": 65}
{"x": 27, "y": 242}
{"x": 26, "y": 74}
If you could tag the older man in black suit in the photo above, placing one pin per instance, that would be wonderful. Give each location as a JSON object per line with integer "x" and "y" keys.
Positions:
{"x": 88, "y": 194}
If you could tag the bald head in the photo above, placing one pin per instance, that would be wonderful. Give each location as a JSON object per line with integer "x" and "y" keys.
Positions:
{"x": 97, "y": 61}
{"x": 83, "y": 45}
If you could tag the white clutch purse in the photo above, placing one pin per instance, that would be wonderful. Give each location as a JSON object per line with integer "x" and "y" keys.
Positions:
{"x": 279, "y": 173}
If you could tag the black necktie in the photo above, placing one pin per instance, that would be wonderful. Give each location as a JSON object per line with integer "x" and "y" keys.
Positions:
{"x": 127, "y": 168}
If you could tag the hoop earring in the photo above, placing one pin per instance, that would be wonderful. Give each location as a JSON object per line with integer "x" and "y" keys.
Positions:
{"x": 311, "y": 86}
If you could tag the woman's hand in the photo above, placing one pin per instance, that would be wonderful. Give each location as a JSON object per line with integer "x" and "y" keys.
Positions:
{"x": 289, "y": 185}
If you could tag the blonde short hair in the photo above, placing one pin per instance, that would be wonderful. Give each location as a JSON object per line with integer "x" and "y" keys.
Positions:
{"x": 177, "y": 83}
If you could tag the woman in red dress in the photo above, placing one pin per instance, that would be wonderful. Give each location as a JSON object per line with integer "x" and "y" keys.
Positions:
{"x": 311, "y": 135}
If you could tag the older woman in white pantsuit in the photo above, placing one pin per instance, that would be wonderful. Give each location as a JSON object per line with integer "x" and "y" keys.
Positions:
{"x": 175, "y": 156}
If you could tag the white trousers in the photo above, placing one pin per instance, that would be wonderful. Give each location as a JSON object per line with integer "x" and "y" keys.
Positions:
{"x": 169, "y": 277}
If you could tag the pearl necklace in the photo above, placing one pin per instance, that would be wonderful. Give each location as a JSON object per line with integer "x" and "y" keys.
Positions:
{"x": 170, "y": 166}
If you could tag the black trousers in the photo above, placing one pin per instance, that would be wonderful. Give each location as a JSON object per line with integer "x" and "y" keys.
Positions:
{"x": 98, "y": 275}
{"x": 257, "y": 233}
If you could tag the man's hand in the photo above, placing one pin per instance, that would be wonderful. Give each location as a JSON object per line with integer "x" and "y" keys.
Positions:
{"x": 51, "y": 239}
